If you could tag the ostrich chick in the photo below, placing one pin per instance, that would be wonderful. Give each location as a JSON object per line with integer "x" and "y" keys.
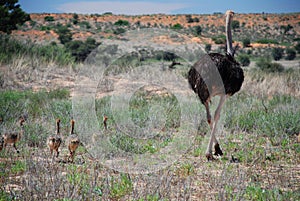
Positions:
{"x": 54, "y": 141}
{"x": 13, "y": 138}
{"x": 105, "y": 121}
{"x": 73, "y": 142}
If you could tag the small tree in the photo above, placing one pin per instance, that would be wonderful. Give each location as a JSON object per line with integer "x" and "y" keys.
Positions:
{"x": 177, "y": 26}
{"x": 75, "y": 18}
{"x": 235, "y": 24}
{"x": 207, "y": 47}
{"x": 64, "y": 34}
{"x": 11, "y": 15}
{"x": 80, "y": 50}
{"x": 197, "y": 30}
{"x": 122, "y": 23}
{"x": 297, "y": 47}
{"x": 290, "y": 54}
{"x": 277, "y": 53}
{"x": 265, "y": 64}
{"x": 49, "y": 18}
{"x": 244, "y": 59}
{"x": 246, "y": 42}
{"x": 189, "y": 19}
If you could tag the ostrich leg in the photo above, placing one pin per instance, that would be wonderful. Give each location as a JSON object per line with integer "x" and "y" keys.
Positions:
{"x": 213, "y": 138}
{"x": 208, "y": 115}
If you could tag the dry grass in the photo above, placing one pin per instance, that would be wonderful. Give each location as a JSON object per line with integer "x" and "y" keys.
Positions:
{"x": 266, "y": 170}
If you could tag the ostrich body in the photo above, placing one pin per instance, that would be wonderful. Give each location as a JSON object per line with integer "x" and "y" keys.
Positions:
{"x": 73, "y": 142}
{"x": 216, "y": 75}
{"x": 55, "y": 141}
{"x": 13, "y": 138}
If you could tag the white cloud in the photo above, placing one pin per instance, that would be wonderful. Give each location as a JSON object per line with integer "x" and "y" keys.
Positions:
{"x": 117, "y": 7}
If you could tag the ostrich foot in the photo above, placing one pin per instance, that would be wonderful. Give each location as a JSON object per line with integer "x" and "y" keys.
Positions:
{"x": 218, "y": 151}
{"x": 209, "y": 157}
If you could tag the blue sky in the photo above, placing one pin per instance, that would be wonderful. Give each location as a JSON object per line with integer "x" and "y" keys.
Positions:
{"x": 134, "y": 7}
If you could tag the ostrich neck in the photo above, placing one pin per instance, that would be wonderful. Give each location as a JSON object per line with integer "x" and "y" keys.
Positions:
{"x": 57, "y": 128}
{"x": 72, "y": 129}
{"x": 228, "y": 35}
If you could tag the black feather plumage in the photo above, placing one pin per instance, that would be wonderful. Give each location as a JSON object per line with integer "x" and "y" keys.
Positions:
{"x": 204, "y": 81}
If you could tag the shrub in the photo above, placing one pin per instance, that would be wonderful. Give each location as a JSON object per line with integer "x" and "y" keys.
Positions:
{"x": 84, "y": 24}
{"x": 266, "y": 65}
{"x": 207, "y": 47}
{"x": 286, "y": 28}
{"x": 277, "y": 53}
{"x": 267, "y": 41}
{"x": 244, "y": 59}
{"x": 235, "y": 24}
{"x": 197, "y": 30}
{"x": 80, "y": 50}
{"x": 297, "y": 47}
{"x": 189, "y": 19}
{"x": 177, "y": 26}
{"x": 49, "y": 18}
{"x": 75, "y": 18}
{"x": 122, "y": 23}
{"x": 119, "y": 31}
{"x": 246, "y": 42}
{"x": 221, "y": 39}
{"x": 290, "y": 54}
{"x": 64, "y": 34}
{"x": 11, "y": 48}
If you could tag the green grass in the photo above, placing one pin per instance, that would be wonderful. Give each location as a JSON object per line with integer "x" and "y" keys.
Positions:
{"x": 267, "y": 41}
{"x": 120, "y": 187}
{"x": 281, "y": 117}
{"x": 257, "y": 193}
{"x": 258, "y": 130}
{"x": 4, "y": 196}
{"x": 10, "y": 49}
{"x": 18, "y": 167}
{"x": 37, "y": 106}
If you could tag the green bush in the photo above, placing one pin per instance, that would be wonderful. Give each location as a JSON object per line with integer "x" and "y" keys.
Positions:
{"x": 120, "y": 187}
{"x": 122, "y": 23}
{"x": 267, "y": 41}
{"x": 277, "y": 53}
{"x": 84, "y": 24}
{"x": 235, "y": 24}
{"x": 243, "y": 59}
{"x": 177, "y": 26}
{"x": 290, "y": 54}
{"x": 119, "y": 31}
{"x": 189, "y": 19}
{"x": 207, "y": 47}
{"x": 246, "y": 42}
{"x": 49, "y": 18}
{"x": 297, "y": 47}
{"x": 80, "y": 50}
{"x": 64, "y": 34}
{"x": 221, "y": 39}
{"x": 286, "y": 28}
{"x": 11, "y": 48}
{"x": 266, "y": 65}
{"x": 197, "y": 30}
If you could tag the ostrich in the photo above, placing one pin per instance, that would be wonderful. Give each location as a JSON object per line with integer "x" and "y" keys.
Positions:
{"x": 54, "y": 141}
{"x": 73, "y": 142}
{"x": 206, "y": 82}
{"x": 13, "y": 138}
{"x": 105, "y": 121}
